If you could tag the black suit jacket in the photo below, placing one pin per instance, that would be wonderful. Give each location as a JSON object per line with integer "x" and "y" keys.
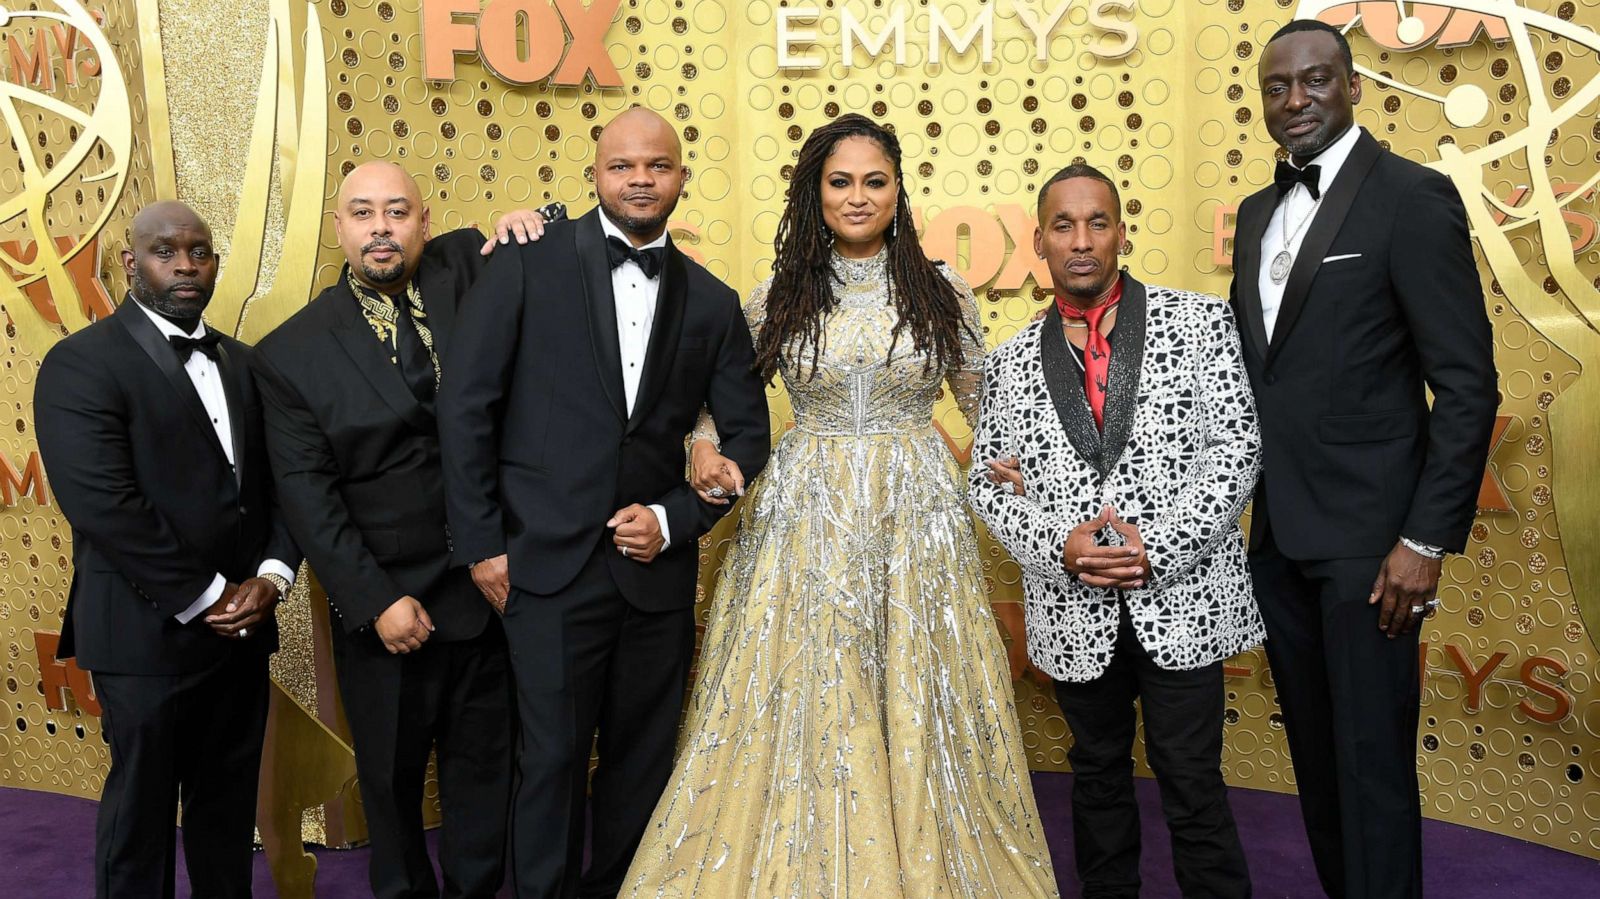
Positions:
{"x": 539, "y": 450}
{"x": 156, "y": 510}
{"x": 357, "y": 456}
{"x": 1354, "y": 458}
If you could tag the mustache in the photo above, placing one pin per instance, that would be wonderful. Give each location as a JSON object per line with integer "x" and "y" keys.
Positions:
{"x": 186, "y": 285}
{"x": 646, "y": 194}
{"x": 381, "y": 243}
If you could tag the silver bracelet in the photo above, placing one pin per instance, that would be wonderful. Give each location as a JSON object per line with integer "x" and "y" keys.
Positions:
{"x": 1426, "y": 550}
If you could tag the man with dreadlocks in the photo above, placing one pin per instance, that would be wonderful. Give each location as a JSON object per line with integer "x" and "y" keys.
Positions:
{"x": 852, "y": 732}
{"x": 1126, "y": 414}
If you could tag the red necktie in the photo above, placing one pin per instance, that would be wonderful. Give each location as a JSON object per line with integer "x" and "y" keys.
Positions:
{"x": 1096, "y": 350}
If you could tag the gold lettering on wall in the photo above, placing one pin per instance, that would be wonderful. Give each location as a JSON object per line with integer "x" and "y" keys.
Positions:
{"x": 521, "y": 41}
{"x": 798, "y": 33}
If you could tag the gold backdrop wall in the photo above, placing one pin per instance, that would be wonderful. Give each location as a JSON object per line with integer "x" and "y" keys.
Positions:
{"x": 270, "y": 103}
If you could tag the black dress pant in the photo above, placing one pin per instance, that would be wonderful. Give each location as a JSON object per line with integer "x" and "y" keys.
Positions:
{"x": 193, "y": 739}
{"x": 1350, "y": 698}
{"x": 454, "y": 697}
{"x": 585, "y": 659}
{"x": 1183, "y": 741}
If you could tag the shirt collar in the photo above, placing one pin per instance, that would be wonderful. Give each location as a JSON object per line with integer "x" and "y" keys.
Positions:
{"x": 1332, "y": 158}
{"x": 612, "y": 230}
{"x": 164, "y": 324}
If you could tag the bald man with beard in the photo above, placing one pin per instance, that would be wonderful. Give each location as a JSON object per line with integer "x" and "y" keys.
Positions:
{"x": 578, "y": 366}
{"x": 149, "y": 425}
{"x": 420, "y": 657}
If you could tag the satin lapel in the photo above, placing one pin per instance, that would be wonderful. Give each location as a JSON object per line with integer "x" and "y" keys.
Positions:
{"x": 438, "y": 301}
{"x": 589, "y": 240}
{"x": 671, "y": 298}
{"x": 1251, "y": 225}
{"x": 156, "y": 346}
{"x": 1064, "y": 379}
{"x": 359, "y": 342}
{"x": 1127, "y": 362}
{"x": 232, "y": 369}
{"x": 1324, "y": 228}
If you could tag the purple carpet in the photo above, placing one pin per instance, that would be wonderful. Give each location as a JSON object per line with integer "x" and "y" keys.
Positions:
{"x": 48, "y": 845}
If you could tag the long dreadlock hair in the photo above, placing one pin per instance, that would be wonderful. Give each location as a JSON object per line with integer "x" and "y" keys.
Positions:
{"x": 802, "y": 280}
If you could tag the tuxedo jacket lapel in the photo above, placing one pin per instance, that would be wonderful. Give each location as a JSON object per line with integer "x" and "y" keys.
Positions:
{"x": 233, "y": 370}
{"x": 368, "y": 355}
{"x": 1324, "y": 228}
{"x": 438, "y": 301}
{"x": 1127, "y": 362}
{"x": 671, "y": 298}
{"x": 1249, "y": 228}
{"x": 159, "y": 349}
{"x": 589, "y": 241}
{"x": 1064, "y": 379}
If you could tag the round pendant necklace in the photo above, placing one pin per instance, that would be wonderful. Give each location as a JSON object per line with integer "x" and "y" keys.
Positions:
{"x": 1284, "y": 261}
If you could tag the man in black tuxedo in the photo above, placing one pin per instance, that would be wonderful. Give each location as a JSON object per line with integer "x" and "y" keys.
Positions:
{"x": 1356, "y": 292}
{"x": 578, "y": 367}
{"x": 349, "y": 385}
{"x": 150, "y": 429}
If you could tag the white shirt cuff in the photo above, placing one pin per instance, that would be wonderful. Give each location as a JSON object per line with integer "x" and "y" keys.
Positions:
{"x": 661, "y": 519}
{"x": 206, "y": 600}
{"x": 273, "y": 566}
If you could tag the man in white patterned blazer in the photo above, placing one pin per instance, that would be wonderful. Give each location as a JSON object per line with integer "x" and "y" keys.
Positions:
{"x": 1125, "y": 446}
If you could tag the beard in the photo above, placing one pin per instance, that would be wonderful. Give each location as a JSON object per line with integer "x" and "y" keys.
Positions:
{"x": 167, "y": 302}
{"x": 380, "y": 276}
{"x": 638, "y": 225}
{"x": 1090, "y": 287}
{"x": 1307, "y": 146}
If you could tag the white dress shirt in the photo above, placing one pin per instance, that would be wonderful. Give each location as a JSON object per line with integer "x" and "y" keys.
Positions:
{"x": 207, "y": 379}
{"x": 1292, "y": 210}
{"x": 635, "y": 297}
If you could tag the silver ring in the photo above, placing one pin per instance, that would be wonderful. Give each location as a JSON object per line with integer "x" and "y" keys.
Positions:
{"x": 624, "y": 552}
{"x": 244, "y": 632}
{"x": 1009, "y": 487}
{"x": 1432, "y": 603}
{"x": 716, "y": 492}
{"x": 1418, "y": 610}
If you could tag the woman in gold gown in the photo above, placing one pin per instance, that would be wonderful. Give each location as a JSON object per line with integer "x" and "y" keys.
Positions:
{"x": 852, "y": 731}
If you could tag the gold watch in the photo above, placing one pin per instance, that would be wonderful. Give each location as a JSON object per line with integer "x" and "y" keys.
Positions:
{"x": 279, "y": 581}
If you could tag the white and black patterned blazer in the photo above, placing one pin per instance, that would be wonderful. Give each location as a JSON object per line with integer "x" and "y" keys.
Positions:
{"x": 1178, "y": 458}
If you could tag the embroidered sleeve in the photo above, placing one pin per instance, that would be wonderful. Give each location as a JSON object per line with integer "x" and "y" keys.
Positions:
{"x": 966, "y": 380}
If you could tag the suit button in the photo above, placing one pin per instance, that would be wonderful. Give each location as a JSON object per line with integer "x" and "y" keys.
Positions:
{"x": 1270, "y": 379}
{"x": 627, "y": 440}
{"x": 243, "y": 511}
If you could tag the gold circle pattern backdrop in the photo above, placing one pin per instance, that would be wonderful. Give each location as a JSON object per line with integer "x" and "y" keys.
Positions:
{"x": 1510, "y": 739}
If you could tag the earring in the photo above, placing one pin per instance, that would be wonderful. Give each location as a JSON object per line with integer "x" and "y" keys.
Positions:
{"x": 894, "y": 225}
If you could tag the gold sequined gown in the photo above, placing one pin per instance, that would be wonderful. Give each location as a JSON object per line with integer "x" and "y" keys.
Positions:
{"x": 852, "y": 731}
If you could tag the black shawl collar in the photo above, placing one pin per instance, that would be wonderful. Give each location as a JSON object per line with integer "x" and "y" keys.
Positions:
{"x": 1324, "y": 228}
{"x": 589, "y": 240}
{"x": 159, "y": 349}
{"x": 1063, "y": 378}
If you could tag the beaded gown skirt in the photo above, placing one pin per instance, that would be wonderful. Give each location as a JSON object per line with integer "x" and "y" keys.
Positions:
{"x": 852, "y": 731}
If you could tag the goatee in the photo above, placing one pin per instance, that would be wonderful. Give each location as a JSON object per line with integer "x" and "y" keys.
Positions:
{"x": 166, "y": 302}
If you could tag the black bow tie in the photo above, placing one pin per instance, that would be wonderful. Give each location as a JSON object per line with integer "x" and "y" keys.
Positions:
{"x": 1287, "y": 176}
{"x": 186, "y": 346}
{"x": 649, "y": 261}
